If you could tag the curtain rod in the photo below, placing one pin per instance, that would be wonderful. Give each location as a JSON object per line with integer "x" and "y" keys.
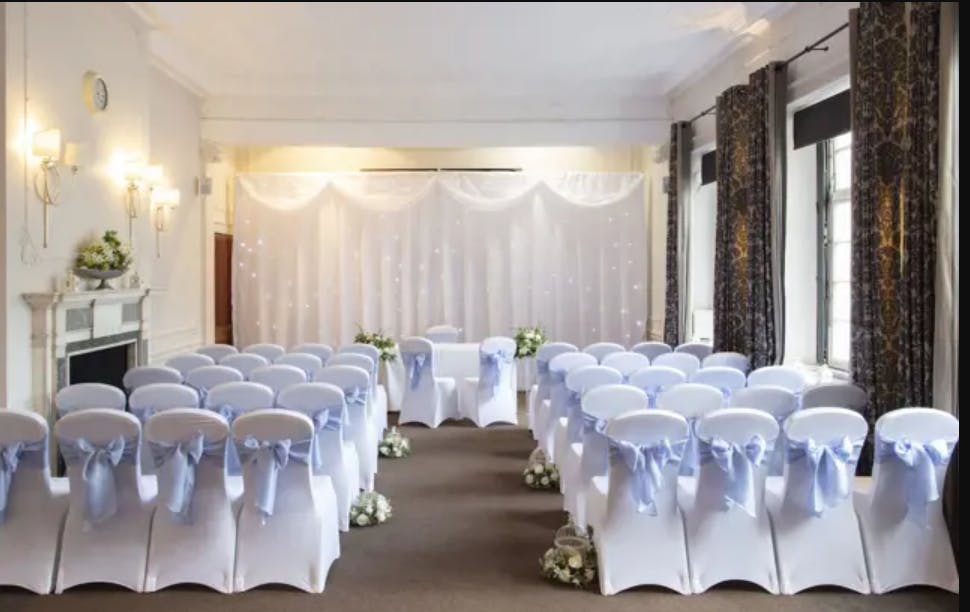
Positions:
{"x": 812, "y": 47}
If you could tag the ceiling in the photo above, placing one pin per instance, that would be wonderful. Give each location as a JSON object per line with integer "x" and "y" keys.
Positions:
{"x": 444, "y": 62}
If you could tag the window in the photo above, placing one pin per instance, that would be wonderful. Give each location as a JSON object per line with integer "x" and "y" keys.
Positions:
{"x": 835, "y": 250}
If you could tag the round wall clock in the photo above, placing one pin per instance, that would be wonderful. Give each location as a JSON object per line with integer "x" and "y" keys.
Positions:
{"x": 95, "y": 92}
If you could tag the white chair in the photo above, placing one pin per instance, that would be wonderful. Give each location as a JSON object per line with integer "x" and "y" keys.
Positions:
{"x": 901, "y": 515}
{"x": 147, "y": 375}
{"x": 601, "y": 349}
{"x": 232, "y": 400}
{"x": 778, "y": 376}
{"x": 105, "y": 537}
{"x": 288, "y": 530}
{"x": 599, "y": 405}
{"x": 332, "y": 454}
{"x": 725, "y": 379}
{"x": 217, "y": 351}
{"x": 685, "y": 362}
{"x": 653, "y": 380}
{"x": 539, "y": 392}
{"x": 83, "y": 396}
{"x": 691, "y": 401}
{"x": 244, "y": 363}
{"x": 836, "y": 395}
{"x": 817, "y": 538}
{"x": 270, "y": 352}
{"x": 378, "y": 392}
{"x": 640, "y": 539}
{"x": 203, "y": 379}
{"x": 187, "y": 362}
{"x": 489, "y": 397}
{"x": 308, "y": 362}
{"x": 32, "y": 509}
{"x": 440, "y": 334}
{"x": 278, "y": 377}
{"x": 193, "y": 536}
{"x": 354, "y": 382}
{"x": 651, "y": 350}
{"x": 428, "y": 399}
{"x": 150, "y": 399}
{"x": 727, "y": 359}
{"x": 559, "y": 367}
{"x": 728, "y": 531}
{"x": 697, "y": 349}
{"x": 323, "y": 351}
{"x": 366, "y": 363}
{"x": 626, "y": 363}
{"x": 780, "y": 403}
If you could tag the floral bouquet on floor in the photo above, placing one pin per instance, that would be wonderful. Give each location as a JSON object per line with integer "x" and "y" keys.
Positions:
{"x": 394, "y": 445}
{"x": 371, "y": 508}
{"x": 540, "y": 473}
{"x": 572, "y": 559}
{"x": 528, "y": 340}
{"x": 384, "y": 344}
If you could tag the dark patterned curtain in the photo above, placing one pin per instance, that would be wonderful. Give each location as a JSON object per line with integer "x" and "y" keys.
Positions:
{"x": 678, "y": 185}
{"x": 895, "y": 113}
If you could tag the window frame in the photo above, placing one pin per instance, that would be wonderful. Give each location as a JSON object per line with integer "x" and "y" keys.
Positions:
{"x": 827, "y": 197}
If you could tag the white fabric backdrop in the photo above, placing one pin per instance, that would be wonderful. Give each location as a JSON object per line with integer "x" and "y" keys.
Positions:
{"x": 316, "y": 255}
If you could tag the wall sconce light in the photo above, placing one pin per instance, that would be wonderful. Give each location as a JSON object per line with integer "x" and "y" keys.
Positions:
{"x": 47, "y": 182}
{"x": 138, "y": 178}
{"x": 164, "y": 202}
{"x": 75, "y": 156}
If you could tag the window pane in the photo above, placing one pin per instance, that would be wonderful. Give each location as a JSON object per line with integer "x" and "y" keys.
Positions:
{"x": 841, "y": 304}
{"x": 843, "y": 169}
{"x": 840, "y": 338}
{"x": 843, "y": 141}
{"x": 841, "y": 262}
{"x": 841, "y": 222}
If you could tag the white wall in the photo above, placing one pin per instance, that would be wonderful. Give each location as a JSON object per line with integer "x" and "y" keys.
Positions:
{"x": 48, "y": 48}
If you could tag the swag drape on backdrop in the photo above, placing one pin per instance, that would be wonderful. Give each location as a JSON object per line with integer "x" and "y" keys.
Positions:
{"x": 316, "y": 255}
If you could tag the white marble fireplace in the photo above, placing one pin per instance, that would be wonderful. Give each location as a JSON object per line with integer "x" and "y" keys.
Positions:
{"x": 69, "y": 324}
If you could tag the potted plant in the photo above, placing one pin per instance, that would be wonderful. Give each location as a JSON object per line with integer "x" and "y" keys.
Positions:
{"x": 527, "y": 343}
{"x": 103, "y": 259}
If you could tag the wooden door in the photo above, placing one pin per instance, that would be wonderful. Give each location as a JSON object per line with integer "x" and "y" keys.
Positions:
{"x": 223, "y": 285}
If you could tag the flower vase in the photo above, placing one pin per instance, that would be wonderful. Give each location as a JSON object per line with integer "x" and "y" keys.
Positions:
{"x": 525, "y": 373}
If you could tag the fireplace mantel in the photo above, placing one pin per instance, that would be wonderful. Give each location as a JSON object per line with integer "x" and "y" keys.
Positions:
{"x": 63, "y": 324}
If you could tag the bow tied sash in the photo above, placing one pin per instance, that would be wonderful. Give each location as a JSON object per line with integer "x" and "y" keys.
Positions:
{"x": 594, "y": 424}
{"x": 828, "y": 464}
{"x": 97, "y": 462}
{"x": 327, "y": 419}
{"x": 417, "y": 364}
{"x": 143, "y": 412}
{"x": 269, "y": 458}
{"x": 921, "y": 460}
{"x": 178, "y": 461}
{"x": 492, "y": 364}
{"x": 646, "y": 464}
{"x": 228, "y": 412}
{"x": 738, "y": 462}
{"x": 11, "y": 457}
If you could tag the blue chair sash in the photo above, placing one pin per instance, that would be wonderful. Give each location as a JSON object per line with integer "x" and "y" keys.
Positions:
{"x": 738, "y": 463}
{"x": 594, "y": 424}
{"x": 574, "y": 416}
{"x": 652, "y": 394}
{"x": 230, "y": 413}
{"x": 326, "y": 419}
{"x": 356, "y": 396}
{"x": 921, "y": 460}
{"x": 179, "y": 460}
{"x": 97, "y": 472}
{"x": 11, "y": 457}
{"x": 691, "y": 458}
{"x": 646, "y": 464}
{"x": 829, "y": 464}
{"x": 269, "y": 458}
{"x": 492, "y": 365}
{"x": 203, "y": 393}
{"x": 416, "y": 365}
{"x": 143, "y": 412}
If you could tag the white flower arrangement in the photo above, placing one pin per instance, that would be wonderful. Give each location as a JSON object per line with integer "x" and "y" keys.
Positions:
{"x": 394, "y": 445}
{"x": 528, "y": 340}
{"x": 541, "y": 474}
{"x": 107, "y": 253}
{"x": 384, "y": 344}
{"x": 371, "y": 508}
{"x": 572, "y": 560}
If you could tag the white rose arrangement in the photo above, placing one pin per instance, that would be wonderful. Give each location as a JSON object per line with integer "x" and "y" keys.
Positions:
{"x": 394, "y": 445}
{"x": 541, "y": 474}
{"x": 371, "y": 508}
{"x": 571, "y": 561}
{"x": 528, "y": 340}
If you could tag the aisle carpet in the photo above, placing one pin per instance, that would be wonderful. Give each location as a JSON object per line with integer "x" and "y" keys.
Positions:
{"x": 466, "y": 537}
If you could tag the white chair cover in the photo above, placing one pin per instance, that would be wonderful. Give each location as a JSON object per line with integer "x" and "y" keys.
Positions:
{"x": 187, "y": 362}
{"x": 901, "y": 515}
{"x": 232, "y": 400}
{"x": 89, "y": 395}
{"x": 651, "y": 350}
{"x": 354, "y": 382}
{"x": 640, "y": 539}
{"x": 816, "y": 531}
{"x": 193, "y": 537}
{"x": 333, "y": 455}
{"x": 146, "y": 375}
{"x": 288, "y": 530}
{"x": 779, "y": 376}
{"x": 697, "y": 349}
{"x": 151, "y": 399}
{"x": 727, "y": 359}
{"x": 270, "y": 352}
{"x": 685, "y": 362}
{"x": 653, "y": 380}
{"x": 31, "y": 510}
{"x": 835, "y": 395}
{"x": 728, "y": 531}
{"x": 378, "y": 392}
{"x": 106, "y": 532}
{"x": 691, "y": 401}
{"x": 218, "y": 351}
{"x": 427, "y": 398}
{"x": 780, "y": 403}
{"x": 442, "y": 334}
{"x": 244, "y": 363}
{"x": 308, "y": 362}
{"x": 559, "y": 367}
{"x": 203, "y": 379}
{"x": 539, "y": 393}
{"x": 626, "y": 363}
{"x": 601, "y": 349}
{"x": 323, "y": 351}
{"x": 725, "y": 379}
{"x": 278, "y": 377}
{"x": 489, "y": 397}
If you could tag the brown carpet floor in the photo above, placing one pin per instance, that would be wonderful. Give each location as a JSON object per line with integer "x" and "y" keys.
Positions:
{"x": 465, "y": 537}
